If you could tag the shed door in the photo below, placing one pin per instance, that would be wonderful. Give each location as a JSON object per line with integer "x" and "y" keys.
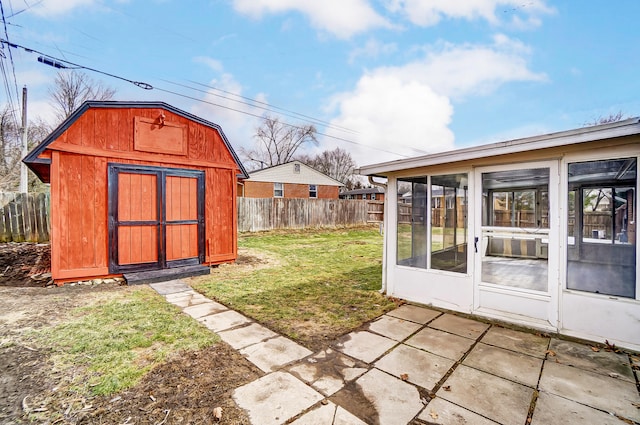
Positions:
{"x": 181, "y": 224}
{"x": 156, "y": 218}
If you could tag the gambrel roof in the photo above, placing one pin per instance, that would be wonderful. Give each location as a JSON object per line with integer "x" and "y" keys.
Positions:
{"x": 41, "y": 165}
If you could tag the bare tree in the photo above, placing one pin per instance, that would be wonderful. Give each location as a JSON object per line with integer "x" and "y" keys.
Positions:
{"x": 337, "y": 164}
{"x": 277, "y": 142}
{"x": 618, "y": 116}
{"x": 11, "y": 149}
{"x": 71, "y": 88}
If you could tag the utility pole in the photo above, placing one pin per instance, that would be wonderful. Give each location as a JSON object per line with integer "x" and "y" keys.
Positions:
{"x": 24, "y": 182}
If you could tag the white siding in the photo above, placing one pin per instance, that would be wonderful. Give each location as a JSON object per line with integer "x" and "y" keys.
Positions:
{"x": 285, "y": 173}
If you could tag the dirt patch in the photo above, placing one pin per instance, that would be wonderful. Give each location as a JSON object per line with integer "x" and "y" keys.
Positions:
{"x": 184, "y": 390}
{"x": 25, "y": 264}
{"x": 252, "y": 259}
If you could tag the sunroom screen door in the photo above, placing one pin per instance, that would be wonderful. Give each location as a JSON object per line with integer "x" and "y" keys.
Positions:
{"x": 516, "y": 243}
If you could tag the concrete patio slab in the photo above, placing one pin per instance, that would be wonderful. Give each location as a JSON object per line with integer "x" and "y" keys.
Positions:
{"x": 521, "y": 342}
{"x": 248, "y": 335}
{"x": 420, "y": 367}
{"x": 583, "y": 357}
{"x": 204, "y": 309}
{"x": 274, "y": 353}
{"x": 329, "y": 414}
{"x": 328, "y": 371}
{"x": 459, "y": 325}
{"x": 188, "y": 299}
{"x": 505, "y": 364}
{"x": 441, "y": 343}
{"x": 322, "y": 415}
{"x": 442, "y": 412}
{"x": 593, "y": 389}
{"x": 343, "y": 417}
{"x": 170, "y": 287}
{"x": 394, "y": 328}
{"x": 554, "y": 410}
{"x": 494, "y": 384}
{"x": 275, "y": 398}
{"x": 394, "y": 401}
{"x": 225, "y": 320}
{"x": 180, "y": 295}
{"x": 487, "y": 395}
{"x": 415, "y": 314}
{"x": 365, "y": 346}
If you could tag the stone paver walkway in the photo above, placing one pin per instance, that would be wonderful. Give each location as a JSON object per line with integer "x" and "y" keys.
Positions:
{"x": 423, "y": 366}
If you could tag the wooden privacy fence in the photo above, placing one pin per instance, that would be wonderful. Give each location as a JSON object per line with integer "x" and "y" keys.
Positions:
{"x": 256, "y": 214}
{"x": 24, "y": 217}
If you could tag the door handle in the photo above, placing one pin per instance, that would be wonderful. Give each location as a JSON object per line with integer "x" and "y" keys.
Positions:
{"x": 475, "y": 243}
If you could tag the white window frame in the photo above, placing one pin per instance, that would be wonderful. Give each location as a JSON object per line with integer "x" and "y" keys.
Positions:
{"x": 276, "y": 190}
{"x": 313, "y": 188}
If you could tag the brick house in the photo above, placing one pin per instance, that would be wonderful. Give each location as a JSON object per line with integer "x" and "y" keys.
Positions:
{"x": 291, "y": 180}
{"x": 369, "y": 193}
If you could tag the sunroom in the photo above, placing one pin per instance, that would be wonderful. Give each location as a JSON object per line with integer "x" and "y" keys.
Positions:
{"x": 539, "y": 232}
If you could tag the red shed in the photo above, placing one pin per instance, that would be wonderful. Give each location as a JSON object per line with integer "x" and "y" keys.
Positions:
{"x": 138, "y": 187}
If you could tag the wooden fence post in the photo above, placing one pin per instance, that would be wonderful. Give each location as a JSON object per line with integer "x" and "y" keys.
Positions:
{"x": 24, "y": 217}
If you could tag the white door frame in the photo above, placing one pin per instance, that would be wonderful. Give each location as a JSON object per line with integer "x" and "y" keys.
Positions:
{"x": 536, "y": 309}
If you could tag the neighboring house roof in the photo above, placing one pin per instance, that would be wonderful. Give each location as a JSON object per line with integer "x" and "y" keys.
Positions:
{"x": 623, "y": 128}
{"x": 40, "y": 166}
{"x": 365, "y": 191}
{"x": 292, "y": 172}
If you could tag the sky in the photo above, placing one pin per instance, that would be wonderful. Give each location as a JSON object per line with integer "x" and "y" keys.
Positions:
{"x": 382, "y": 79}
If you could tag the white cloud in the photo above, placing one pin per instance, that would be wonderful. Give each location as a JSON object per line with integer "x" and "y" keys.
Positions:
{"x": 42, "y": 109}
{"x": 372, "y": 49}
{"x": 392, "y": 115}
{"x": 429, "y": 13}
{"x": 459, "y": 71}
{"x": 59, "y": 7}
{"x": 342, "y": 18}
{"x": 222, "y": 106}
{"x": 410, "y": 106}
{"x": 214, "y": 64}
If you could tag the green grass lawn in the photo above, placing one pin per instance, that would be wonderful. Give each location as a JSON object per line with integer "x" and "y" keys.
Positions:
{"x": 311, "y": 286}
{"x": 114, "y": 342}
{"x": 318, "y": 285}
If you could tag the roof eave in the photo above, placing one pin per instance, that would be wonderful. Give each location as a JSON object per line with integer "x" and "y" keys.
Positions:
{"x": 624, "y": 128}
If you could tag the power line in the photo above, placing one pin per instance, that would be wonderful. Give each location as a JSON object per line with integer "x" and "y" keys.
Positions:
{"x": 287, "y": 124}
{"x": 6, "y": 33}
{"x": 61, "y": 64}
{"x": 29, "y": 6}
{"x": 3, "y": 69}
{"x": 65, "y": 64}
{"x": 269, "y": 107}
